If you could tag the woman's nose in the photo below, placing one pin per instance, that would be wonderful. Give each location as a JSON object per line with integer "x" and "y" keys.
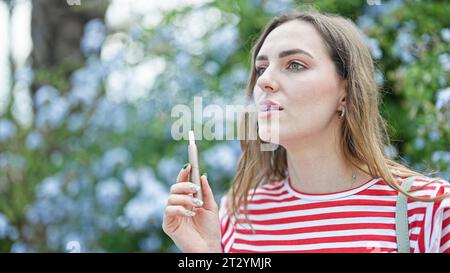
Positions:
{"x": 267, "y": 82}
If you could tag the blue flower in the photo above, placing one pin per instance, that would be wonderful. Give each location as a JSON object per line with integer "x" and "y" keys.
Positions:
{"x": 34, "y": 140}
{"x": 212, "y": 68}
{"x": 118, "y": 156}
{"x": 139, "y": 211}
{"x": 419, "y": 143}
{"x": 137, "y": 179}
{"x": 46, "y": 212}
{"x": 86, "y": 82}
{"x": 45, "y": 94}
{"x": 20, "y": 247}
{"x": 404, "y": 43}
{"x": 148, "y": 205}
{"x": 94, "y": 35}
{"x": 53, "y": 113}
{"x": 227, "y": 153}
{"x": 131, "y": 179}
{"x": 379, "y": 77}
{"x": 168, "y": 169}
{"x": 109, "y": 193}
{"x": 438, "y": 156}
{"x": 5, "y": 227}
{"x": 444, "y": 60}
{"x": 24, "y": 75}
{"x": 150, "y": 244}
{"x": 75, "y": 121}
{"x": 109, "y": 115}
{"x": 12, "y": 160}
{"x": 277, "y": 6}
{"x": 232, "y": 81}
{"x": 8, "y": 129}
{"x": 445, "y": 33}
{"x": 443, "y": 98}
{"x": 365, "y": 21}
{"x": 255, "y": 3}
{"x": 374, "y": 46}
{"x": 50, "y": 187}
{"x": 224, "y": 42}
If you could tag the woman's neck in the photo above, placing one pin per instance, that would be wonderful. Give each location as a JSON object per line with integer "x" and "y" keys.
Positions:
{"x": 318, "y": 167}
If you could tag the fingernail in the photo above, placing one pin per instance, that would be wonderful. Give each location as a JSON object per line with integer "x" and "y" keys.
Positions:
{"x": 205, "y": 175}
{"x": 185, "y": 166}
{"x": 197, "y": 202}
{"x": 195, "y": 188}
{"x": 189, "y": 213}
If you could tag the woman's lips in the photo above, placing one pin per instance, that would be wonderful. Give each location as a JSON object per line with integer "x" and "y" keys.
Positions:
{"x": 266, "y": 112}
{"x": 269, "y": 107}
{"x": 273, "y": 107}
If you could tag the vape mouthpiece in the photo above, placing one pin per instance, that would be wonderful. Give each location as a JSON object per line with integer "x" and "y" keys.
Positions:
{"x": 191, "y": 137}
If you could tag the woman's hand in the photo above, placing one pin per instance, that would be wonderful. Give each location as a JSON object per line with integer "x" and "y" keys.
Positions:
{"x": 193, "y": 225}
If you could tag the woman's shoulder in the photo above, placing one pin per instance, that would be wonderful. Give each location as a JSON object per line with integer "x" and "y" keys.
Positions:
{"x": 426, "y": 186}
{"x": 432, "y": 219}
{"x": 421, "y": 180}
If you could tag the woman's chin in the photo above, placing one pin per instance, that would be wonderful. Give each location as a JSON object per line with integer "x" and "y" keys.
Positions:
{"x": 271, "y": 136}
{"x": 278, "y": 137}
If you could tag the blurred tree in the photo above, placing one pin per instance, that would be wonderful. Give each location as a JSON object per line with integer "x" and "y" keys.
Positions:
{"x": 56, "y": 31}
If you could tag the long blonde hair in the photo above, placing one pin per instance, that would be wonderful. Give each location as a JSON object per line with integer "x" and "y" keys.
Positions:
{"x": 363, "y": 130}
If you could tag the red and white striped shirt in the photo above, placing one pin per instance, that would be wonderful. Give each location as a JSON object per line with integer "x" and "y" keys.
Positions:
{"x": 357, "y": 220}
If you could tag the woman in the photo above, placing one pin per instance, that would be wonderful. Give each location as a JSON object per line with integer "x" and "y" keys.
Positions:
{"x": 328, "y": 187}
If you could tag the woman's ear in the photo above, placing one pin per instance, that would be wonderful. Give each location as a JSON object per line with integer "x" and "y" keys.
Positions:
{"x": 341, "y": 103}
{"x": 343, "y": 91}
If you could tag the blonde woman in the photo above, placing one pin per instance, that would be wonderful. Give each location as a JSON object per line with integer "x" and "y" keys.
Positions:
{"x": 328, "y": 187}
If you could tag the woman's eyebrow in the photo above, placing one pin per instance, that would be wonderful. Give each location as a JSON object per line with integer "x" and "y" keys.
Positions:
{"x": 294, "y": 51}
{"x": 285, "y": 53}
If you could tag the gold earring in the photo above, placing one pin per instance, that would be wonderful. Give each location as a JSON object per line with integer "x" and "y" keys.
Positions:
{"x": 342, "y": 113}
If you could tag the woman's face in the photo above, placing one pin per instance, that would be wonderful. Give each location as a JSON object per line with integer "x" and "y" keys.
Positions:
{"x": 295, "y": 71}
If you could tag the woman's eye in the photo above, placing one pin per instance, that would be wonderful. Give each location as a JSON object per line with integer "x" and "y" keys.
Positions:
{"x": 295, "y": 66}
{"x": 260, "y": 71}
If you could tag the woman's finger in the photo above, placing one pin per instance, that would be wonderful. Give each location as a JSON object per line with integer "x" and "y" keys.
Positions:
{"x": 184, "y": 200}
{"x": 183, "y": 175}
{"x": 174, "y": 211}
{"x": 184, "y": 188}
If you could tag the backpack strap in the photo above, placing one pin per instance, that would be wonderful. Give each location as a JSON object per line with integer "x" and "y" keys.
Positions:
{"x": 401, "y": 217}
